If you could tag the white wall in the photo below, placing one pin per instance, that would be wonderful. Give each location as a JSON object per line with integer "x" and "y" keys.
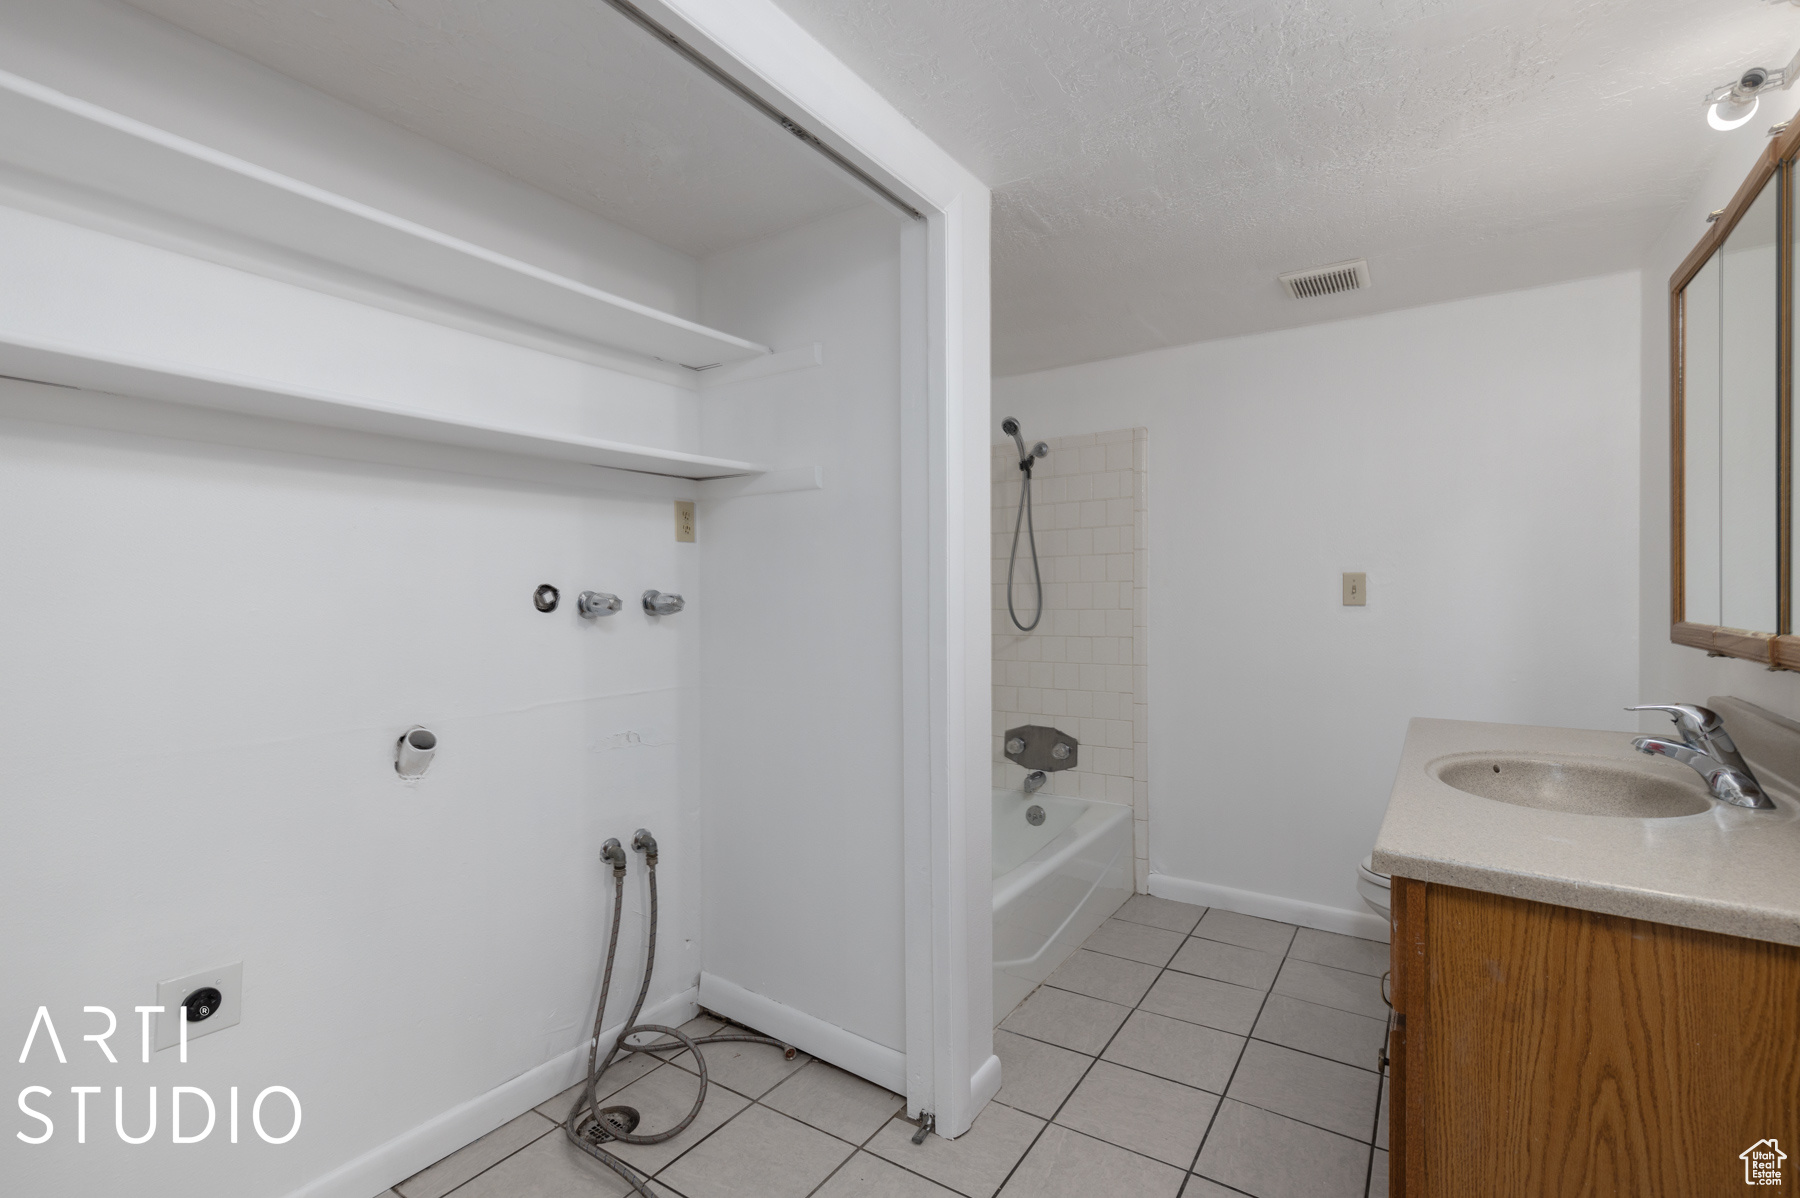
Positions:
{"x": 1477, "y": 459}
{"x": 1669, "y": 672}
{"x": 802, "y": 779}
{"x": 209, "y": 650}
{"x": 214, "y": 628}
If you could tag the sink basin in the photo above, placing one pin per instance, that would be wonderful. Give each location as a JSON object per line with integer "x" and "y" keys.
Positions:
{"x": 1579, "y": 786}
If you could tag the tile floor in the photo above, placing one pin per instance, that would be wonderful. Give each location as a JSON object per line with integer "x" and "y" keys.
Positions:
{"x": 1181, "y": 1053}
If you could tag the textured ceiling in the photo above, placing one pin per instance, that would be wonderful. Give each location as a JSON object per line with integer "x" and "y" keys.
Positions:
{"x": 1156, "y": 163}
{"x": 564, "y": 94}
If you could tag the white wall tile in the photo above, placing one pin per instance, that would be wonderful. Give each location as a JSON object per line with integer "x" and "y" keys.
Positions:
{"x": 1081, "y": 669}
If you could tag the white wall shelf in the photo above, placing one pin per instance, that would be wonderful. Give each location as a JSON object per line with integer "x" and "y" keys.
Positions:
{"x": 66, "y": 366}
{"x": 74, "y": 143}
{"x": 803, "y": 357}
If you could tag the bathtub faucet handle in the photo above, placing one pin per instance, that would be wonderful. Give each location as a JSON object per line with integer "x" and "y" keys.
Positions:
{"x": 1040, "y": 747}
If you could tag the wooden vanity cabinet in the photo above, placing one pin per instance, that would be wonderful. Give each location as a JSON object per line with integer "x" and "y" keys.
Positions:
{"x": 1539, "y": 1051}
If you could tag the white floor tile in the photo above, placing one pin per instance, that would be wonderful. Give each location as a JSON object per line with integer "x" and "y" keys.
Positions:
{"x": 1067, "y": 1164}
{"x": 1162, "y": 913}
{"x": 1204, "y": 1000}
{"x": 550, "y": 1167}
{"x": 1251, "y": 967}
{"x": 1134, "y": 942}
{"x": 1183, "y": 1052}
{"x": 1381, "y": 1123}
{"x": 831, "y": 1100}
{"x": 1378, "y": 1174}
{"x": 1340, "y": 988}
{"x": 664, "y": 1098}
{"x": 1070, "y": 1020}
{"x": 1035, "y": 1077}
{"x": 1340, "y": 952}
{"x": 1245, "y": 930}
{"x": 1323, "y": 1031}
{"x": 477, "y": 1157}
{"x": 759, "y": 1154}
{"x": 1171, "y": 1013}
{"x": 976, "y": 1162}
{"x": 868, "y": 1176}
{"x": 621, "y": 1074}
{"x": 1327, "y": 1094}
{"x": 1265, "y": 1154}
{"x": 750, "y": 1069}
{"x": 1100, "y": 976}
{"x": 1149, "y": 1115}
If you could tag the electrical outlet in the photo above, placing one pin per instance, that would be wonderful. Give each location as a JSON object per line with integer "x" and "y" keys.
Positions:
{"x": 228, "y": 980}
{"x": 1356, "y": 590}
{"x": 684, "y": 520}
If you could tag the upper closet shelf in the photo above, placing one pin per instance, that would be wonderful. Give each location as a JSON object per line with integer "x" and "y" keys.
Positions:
{"x": 72, "y": 142}
{"x": 178, "y": 383}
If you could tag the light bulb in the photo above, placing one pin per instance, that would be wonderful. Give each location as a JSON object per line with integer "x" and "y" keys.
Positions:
{"x": 1717, "y": 118}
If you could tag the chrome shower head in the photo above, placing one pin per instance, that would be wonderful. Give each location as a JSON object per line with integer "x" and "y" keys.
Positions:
{"x": 1010, "y": 426}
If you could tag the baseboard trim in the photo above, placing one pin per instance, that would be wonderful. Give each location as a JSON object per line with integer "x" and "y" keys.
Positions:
{"x": 432, "y": 1141}
{"x": 1366, "y": 924}
{"x": 848, "y": 1051}
{"x": 984, "y": 1084}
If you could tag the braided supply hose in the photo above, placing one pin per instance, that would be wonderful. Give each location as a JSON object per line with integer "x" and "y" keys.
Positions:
{"x": 588, "y": 1125}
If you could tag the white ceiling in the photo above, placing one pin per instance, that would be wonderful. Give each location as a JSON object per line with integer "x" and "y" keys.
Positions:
{"x": 564, "y": 94}
{"x": 1156, "y": 163}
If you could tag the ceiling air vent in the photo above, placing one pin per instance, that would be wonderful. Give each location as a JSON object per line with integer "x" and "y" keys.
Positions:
{"x": 1327, "y": 280}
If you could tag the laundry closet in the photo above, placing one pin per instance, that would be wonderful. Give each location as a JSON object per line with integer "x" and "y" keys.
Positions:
{"x": 346, "y": 348}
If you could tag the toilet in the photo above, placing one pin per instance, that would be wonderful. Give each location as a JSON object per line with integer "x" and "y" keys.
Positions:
{"x": 1373, "y": 887}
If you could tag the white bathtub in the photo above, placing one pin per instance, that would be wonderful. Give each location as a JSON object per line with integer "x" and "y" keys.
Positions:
{"x": 1053, "y": 884}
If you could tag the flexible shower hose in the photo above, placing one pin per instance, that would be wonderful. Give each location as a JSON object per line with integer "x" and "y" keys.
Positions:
{"x": 1024, "y": 517}
{"x": 589, "y": 1126}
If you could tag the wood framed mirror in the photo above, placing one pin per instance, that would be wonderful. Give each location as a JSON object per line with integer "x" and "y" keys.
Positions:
{"x": 1731, "y": 313}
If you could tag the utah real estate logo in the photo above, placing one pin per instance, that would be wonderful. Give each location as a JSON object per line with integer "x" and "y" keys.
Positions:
{"x": 1762, "y": 1163}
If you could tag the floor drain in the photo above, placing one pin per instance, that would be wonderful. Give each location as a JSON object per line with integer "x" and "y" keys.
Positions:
{"x": 611, "y": 1123}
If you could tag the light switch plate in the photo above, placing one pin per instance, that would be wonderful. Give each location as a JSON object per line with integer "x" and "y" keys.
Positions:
{"x": 1356, "y": 590}
{"x": 684, "y": 520}
{"x": 227, "y": 979}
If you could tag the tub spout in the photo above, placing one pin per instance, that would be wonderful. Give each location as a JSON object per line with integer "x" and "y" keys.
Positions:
{"x": 1034, "y": 781}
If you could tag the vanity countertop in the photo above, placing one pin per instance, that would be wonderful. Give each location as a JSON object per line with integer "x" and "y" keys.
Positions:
{"x": 1728, "y": 869}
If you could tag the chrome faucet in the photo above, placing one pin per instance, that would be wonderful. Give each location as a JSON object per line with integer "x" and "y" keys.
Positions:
{"x": 1708, "y": 749}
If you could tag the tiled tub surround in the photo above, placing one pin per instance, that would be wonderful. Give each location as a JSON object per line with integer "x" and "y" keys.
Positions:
{"x": 1083, "y": 668}
{"x": 1182, "y": 1053}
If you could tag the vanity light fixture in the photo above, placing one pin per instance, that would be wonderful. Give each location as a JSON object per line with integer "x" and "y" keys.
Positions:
{"x": 1733, "y": 104}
